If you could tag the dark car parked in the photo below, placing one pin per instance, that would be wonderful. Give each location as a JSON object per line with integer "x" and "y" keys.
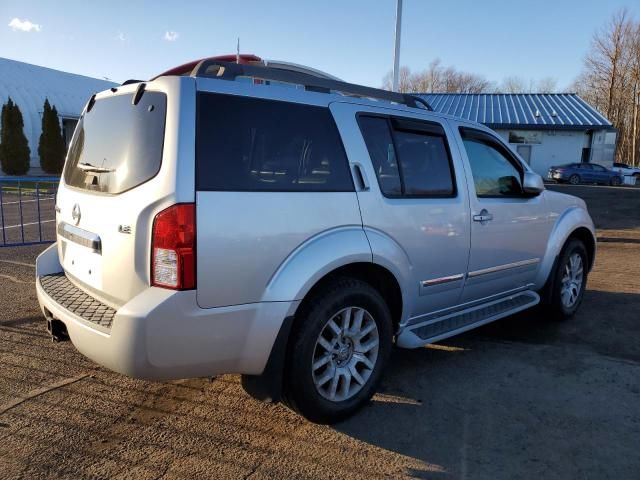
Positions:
{"x": 576, "y": 173}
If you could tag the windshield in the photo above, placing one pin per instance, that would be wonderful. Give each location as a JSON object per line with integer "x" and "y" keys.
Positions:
{"x": 117, "y": 145}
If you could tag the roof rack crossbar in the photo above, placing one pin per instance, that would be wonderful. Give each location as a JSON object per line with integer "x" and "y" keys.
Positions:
{"x": 230, "y": 71}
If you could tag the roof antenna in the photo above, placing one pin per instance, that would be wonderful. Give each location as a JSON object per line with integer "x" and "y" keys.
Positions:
{"x": 238, "y": 51}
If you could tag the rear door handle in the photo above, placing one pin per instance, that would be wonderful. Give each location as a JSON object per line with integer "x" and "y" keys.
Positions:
{"x": 483, "y": 217}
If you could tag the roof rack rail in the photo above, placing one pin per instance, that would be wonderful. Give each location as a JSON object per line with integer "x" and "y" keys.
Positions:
{"x": 230, "y": 71}
{"x": 130, "y": 81}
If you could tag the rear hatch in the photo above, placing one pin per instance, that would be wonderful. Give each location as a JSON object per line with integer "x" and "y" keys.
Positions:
{"x": 116, "y": 178}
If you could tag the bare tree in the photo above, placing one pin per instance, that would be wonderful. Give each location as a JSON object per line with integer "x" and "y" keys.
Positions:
{"x": 517, "y": 84}
{"x": 547, "y": 85}
{"x": 513, "y": 85}
{"x": 635, "y": 95}
{"x": 404, "y": 80}
{"x": 610, "y": 80}
{"x": 438, "y": 79}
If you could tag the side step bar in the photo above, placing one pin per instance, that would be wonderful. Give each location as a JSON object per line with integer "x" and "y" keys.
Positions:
{"x": 451, "y": 324}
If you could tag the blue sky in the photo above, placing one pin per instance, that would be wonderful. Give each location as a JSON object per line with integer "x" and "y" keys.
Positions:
{"x": 352, "y": 39}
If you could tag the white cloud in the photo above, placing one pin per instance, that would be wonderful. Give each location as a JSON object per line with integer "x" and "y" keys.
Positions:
{"x": 121, "y": 36}
{"x": 24, "y": 25}
{"x": 171, "y": 36}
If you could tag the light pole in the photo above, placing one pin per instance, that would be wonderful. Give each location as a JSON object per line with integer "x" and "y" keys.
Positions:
{"x": 396, "y": 55}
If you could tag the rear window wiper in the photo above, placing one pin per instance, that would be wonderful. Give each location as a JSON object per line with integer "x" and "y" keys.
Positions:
{"x": 87, "y": 167}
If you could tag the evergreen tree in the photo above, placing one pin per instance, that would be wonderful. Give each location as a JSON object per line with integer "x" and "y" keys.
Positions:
{"x": 51, "y": 147}
{"x": 14, "y": 147}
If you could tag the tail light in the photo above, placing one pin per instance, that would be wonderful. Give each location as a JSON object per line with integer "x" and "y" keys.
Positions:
{"x": 173, "y": 248}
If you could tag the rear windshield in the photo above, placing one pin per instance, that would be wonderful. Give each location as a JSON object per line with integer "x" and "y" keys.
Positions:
{"x": 248, "y": 144}
{"x": 117, "y": 145}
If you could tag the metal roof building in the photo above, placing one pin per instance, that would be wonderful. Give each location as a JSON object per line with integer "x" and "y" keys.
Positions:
{"x": 545, "y": 129}
{"x": 28, "y": 85}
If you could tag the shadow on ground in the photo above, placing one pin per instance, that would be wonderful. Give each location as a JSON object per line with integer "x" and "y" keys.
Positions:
{"x": 520, "y": 395}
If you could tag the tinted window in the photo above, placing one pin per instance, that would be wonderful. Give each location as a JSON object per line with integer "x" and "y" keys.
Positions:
{"x": 424, "y": 162}
{"x": 599, "y": 168}
{"x": 424, "y": 167}
{"x": 377, "y": 136}
{"x": 248, "y": 144}
{"x": 493, "y": 173}
{"x": 117, "y": 145}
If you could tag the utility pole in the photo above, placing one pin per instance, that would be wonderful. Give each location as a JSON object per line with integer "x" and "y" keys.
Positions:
{"x": 396, "y": 55}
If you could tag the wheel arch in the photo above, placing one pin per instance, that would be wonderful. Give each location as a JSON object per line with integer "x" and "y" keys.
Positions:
{"x": 573, "y": 223}
{"x": 268, "y": 386}
{"x": 379, "y": 277}
{"x": 586, "y": 237}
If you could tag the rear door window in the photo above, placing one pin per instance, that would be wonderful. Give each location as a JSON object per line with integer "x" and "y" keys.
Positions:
{"x": 249, "y": 144}
{"x": 117, "y": 145}
{"x": 411, "y": 158}
{"x": 426, "y": 168}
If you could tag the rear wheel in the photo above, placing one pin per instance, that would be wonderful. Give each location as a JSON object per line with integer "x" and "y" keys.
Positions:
{"x": 339, "y": 346}
{"x": 569, "y": 281}
{"x": 574, "y": 179}
{"x": 615, "y": 181}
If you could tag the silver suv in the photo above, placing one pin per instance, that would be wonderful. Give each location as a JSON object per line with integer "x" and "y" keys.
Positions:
{"x": 292, "y": 228}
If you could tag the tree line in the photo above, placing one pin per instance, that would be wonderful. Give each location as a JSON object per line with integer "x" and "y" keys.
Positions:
{"x": 609, "y": 81}
{"x": 437, "y": 78}
{"x": 14, "y": 148}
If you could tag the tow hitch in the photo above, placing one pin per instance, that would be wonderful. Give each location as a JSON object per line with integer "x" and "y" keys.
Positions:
{"x": 57, "y": 330}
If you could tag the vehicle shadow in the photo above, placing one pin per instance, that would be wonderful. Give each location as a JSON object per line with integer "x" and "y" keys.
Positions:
{"x": 524, "y": 396}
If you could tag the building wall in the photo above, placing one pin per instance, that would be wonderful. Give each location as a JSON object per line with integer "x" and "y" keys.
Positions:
{"x": 557, "y": 147}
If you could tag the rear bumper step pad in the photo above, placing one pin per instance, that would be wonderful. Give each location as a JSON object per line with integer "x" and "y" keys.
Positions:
{"x": 66, "y": 294}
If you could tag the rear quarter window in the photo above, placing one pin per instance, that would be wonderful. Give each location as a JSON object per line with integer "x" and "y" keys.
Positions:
{"x": 249, "y": 144}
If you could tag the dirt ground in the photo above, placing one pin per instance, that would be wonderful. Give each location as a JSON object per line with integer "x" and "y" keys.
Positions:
{"x": 521, "y": 398}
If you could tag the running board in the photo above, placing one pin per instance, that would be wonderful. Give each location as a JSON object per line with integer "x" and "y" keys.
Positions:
{"x": 436, "y": 329}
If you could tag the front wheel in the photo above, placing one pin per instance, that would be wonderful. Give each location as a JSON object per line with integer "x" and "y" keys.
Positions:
{"x": 615, "y": 181}
{"x": 574, "y": 179}
{"x": 339, "y": 345}
{"x": 569, "y": 281}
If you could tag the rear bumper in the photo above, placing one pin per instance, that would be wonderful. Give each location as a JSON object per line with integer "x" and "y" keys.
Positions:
{"x": 162, "y": 334}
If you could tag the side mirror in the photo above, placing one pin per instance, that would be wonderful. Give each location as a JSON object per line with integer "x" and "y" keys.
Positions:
{"x": 532, "y": 183}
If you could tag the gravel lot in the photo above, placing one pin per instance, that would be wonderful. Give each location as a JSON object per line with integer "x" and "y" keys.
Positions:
{"x": 521, "y": 398}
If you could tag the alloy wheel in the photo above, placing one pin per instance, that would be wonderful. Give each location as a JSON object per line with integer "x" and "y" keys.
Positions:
{"x": 345, "y": 354}
{"x": 572, "y": 279}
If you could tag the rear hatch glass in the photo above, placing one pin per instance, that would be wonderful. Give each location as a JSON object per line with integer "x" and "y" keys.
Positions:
{"x": 117, "y": 145}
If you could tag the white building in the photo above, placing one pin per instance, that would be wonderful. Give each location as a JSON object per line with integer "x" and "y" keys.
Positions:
{"x": 545, "y": 129}
{"x": 28, "y": 86}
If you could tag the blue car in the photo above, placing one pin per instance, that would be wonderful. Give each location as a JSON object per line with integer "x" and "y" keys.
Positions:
{"x": 575, "y": 173}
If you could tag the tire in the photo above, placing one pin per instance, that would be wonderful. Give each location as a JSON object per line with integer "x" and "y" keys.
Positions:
{"x": 574, "y": 179}
{"x": 303, "y": 389}
{"x": 637, "y": 175}
{"x": 615, "y": 181}
{"x": 557, "y": 302}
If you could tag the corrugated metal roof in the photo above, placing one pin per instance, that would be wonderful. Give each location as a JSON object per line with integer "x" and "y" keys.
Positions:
{"x": 520, "y": 110}
{"x": 28, "y": 85}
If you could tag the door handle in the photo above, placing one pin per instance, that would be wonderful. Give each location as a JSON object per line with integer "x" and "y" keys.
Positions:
{"x": 483, "y": 217}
